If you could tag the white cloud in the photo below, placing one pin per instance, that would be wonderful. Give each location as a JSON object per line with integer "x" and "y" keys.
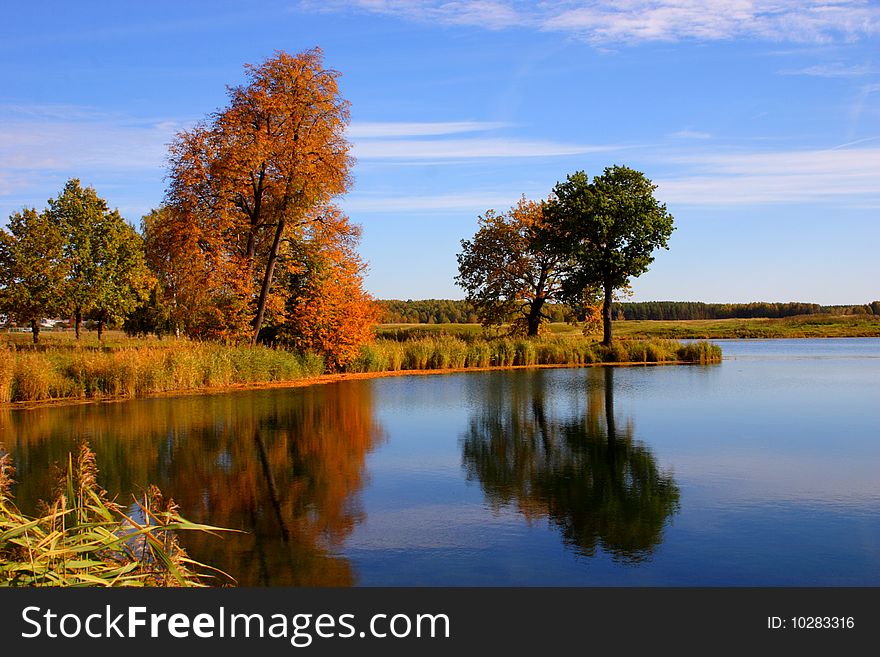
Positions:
{"x": 835, "y": 70}
{"x": 710, "y": 20}
{"x": 72, "y": 138}
{"x": 41, "y": 146}
{"x": 605, "y": 21}
{"x": 838, "y": 175}
{"x": 471, "y": 202}
{"x": 690, "y": 134}
{"x": 483, "y": 13}
{"x": 373, "y": 130}
{"x": 446, "y": 149}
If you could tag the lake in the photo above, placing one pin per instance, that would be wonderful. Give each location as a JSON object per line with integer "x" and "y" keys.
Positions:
{"x": 763, "y": 470}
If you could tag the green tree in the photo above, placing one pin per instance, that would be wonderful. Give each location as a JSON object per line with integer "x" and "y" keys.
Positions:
{"x": 32, "y": 268}
{"x": 151, "y": 315}
{"x": 609, "y": 227}
{"x": 104, "y": 256}
{"x": 78, "y": 213}
{"x": 122, "y": 278}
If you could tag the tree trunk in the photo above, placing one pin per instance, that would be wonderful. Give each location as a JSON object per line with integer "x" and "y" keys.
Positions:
{"x": 100, "y": 329}
{"x": 609, "y": 404}
{"x": 77, "y": 320}
{"x": 606, "y": 315}
{"x": 35, "y": 329}
{"x": 273, "y": 489}
{"x": 267, "y": 281}
{"x": 533, "y": 320}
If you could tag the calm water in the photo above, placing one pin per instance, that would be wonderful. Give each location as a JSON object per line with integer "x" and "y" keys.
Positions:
{"x": 763, "y": 470}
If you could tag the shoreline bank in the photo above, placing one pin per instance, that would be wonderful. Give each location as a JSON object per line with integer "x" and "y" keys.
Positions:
{"x": 321, "y": 379}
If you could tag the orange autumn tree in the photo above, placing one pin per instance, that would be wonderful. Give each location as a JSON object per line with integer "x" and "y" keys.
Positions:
{"x": 247, "y": 179}
{"x": 198, "y": 288}
{"x": 327, "y": 310}
{"x": 510, "y": 273}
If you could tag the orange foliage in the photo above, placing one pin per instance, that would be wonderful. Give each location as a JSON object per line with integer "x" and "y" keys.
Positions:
{"x": 206, "y": 297}
{"x": 247, "y": 180}
{"x": 328, "y": 310}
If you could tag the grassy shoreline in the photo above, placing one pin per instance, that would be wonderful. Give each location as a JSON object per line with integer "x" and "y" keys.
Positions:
{"x": 65, "y": 372}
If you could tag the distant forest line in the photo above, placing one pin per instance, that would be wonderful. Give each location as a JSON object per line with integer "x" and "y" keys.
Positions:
{"x": 454, "y": 311}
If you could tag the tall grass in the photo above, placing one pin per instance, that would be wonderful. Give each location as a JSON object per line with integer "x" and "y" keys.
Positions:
{"x": 7, "y": 368}
{"x": 451, "y": 352}
{"x": 83, "y": 539}
{"x": 149, "y": 368}
{"x": 134, "y": 372}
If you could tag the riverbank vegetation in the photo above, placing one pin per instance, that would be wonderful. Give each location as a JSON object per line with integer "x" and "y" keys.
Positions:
{"x": 82, "y": 538}
{"x": 121, "y": 367}
{"x": 143, "y": 367}
{"x": 443, "y": 352}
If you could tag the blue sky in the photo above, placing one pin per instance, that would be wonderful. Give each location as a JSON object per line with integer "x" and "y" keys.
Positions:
{"x": 759, "y": 121}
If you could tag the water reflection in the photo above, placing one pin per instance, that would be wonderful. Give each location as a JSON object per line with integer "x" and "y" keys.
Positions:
{"x": 582, "y": 470}
{"x": 287, "y": 467}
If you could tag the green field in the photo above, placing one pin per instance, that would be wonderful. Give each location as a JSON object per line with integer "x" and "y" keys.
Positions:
{"x": 801, "y": 326}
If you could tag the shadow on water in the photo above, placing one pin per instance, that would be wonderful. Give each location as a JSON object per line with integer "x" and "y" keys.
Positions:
{"x": 582, "y": 471}
{"x": 286, "y": 467}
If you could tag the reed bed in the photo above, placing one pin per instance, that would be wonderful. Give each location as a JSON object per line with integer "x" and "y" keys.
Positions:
{"x": 143, "y": 370}
{"x": 454, "y": 352}
{"x": 140, "y": 370}
{"x": 82, "y": 538}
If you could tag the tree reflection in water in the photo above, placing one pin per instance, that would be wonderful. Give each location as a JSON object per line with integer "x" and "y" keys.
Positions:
{"x": 285, "y": 466}
{"x": 583, "y": 472}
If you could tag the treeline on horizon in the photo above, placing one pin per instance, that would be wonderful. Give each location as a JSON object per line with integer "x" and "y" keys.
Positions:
{"x": 457, "y": 311}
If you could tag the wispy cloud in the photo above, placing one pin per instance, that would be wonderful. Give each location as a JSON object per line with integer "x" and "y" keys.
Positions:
{"x": 457, "y": 149}
{"x": 42, "y": 145}
{"x": 834, "y": 70}
{"x": 483, "y": 13}
{"x": 388, "y": 129}
{"x": 470, "y": 202}
{"x": 710, "y": 20}
{"x": 445, "y": 140}
{"x": 797, "y": 176}
{"x": 615, "y": 21}
{"x": 64, "y": 137}
{"x": 690, "y": 134}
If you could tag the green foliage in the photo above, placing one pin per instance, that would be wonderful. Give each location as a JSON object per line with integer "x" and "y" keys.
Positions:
{"x": 32, "y": 268}
{"x": 699, "y": 352}
{"x": 438, "y": 311}
{"x": 609, "y": 228}
{"x": 151, "y": 315}
{"x": 673, "y": 310}
{"x": 83, "y": 539}
{"x": 456, "y": 311}
{"x": 106, "y": 273}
